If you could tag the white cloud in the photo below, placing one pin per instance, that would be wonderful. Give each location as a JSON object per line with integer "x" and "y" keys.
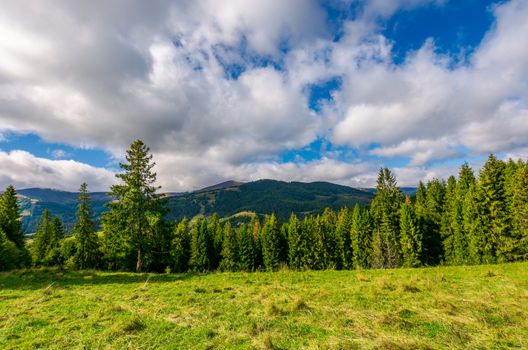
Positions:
{"x": 22, "y": 169}
{"x": 75, "y": 74}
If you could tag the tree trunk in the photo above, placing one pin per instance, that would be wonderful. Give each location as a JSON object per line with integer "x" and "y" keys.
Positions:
{"x": 139, "y": 262}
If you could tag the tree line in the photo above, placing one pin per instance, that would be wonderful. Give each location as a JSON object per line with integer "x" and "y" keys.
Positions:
{"x": 467, "y": 220}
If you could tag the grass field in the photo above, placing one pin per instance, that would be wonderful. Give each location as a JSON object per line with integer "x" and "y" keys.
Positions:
{"x": 478, "y": 307}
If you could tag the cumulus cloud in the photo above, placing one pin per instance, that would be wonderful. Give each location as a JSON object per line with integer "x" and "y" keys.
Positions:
{"x": 22, "y": 169}
{"x": 219, "y": 89}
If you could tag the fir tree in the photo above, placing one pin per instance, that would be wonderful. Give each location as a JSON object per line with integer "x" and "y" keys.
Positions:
{"x": 10, "y": 217}
{"x": 137, "y": 202}
{"x": 448, "y": 222}
{"x": 492, "y": 197}
{"x": 360, "y": 238}
{"x": 246, "y": 248}
{"x": 216, "y": 231}
{"x": 385, "y": 208}
{"x": 295, "y": 243}
{"x": 229, "y": 254}
{"x": 9, "y": 253}
{"x": 42, "y": 239}
{"x": 410, "y": 236}
{"x": 466, "y": 180}
{"x": 201, "y": 247}
{"x": 181, "y": 246}
{"x": 432, "y": 240}
{"x": 342, "y": 233}
{"x": 518, "y": 246}
{"x": 87, "y": 251}
{"x": 271, "y": 243}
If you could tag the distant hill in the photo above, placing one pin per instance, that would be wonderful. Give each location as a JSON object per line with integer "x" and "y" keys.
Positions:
{"x": 267, "y": 196}
{"x": 231, "y": 198}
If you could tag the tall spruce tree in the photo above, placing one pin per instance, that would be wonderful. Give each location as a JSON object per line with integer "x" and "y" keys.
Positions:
{"x": 466, "y": 180}
{"x": 137, "y": 202}
{"x": 448, "y": 222}
{"x": 518, "y": 246}
{"x": 42, "y": 239}
{"x": 86, "y": 240}
{"x": 201, "y": 247}
{"x": 432, "y": 239}
{"x": 343, "y": 253}
{"x": 385, "y": 209}
{"x": 229, "y": 252}
{"x": 492, "y": 197}
{"x": 10, "y": 217}
{"x": 246, "y": 248}
{"x": 360, "y": 237}
{"x": 295, "y": 243}
{"x": 271, "y": 243}
{"x": 410, "y": 236}
{"x": 181, "y": 246}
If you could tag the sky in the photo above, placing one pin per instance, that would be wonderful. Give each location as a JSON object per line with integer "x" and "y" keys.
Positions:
{"x": 298, "y": 90}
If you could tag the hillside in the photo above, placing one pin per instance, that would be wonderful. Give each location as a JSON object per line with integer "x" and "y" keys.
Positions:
{"x": 462, "y": 307}
{"x": 226, "y": 199}
{"x": 267, "y": 196}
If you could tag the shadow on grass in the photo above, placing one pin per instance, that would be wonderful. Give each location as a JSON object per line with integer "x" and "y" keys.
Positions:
{"x": 32, "y": 279}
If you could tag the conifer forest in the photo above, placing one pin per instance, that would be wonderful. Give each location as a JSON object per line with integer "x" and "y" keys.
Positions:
{"x": 471, "y": 218}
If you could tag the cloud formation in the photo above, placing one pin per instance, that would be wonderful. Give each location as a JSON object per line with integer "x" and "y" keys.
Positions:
{"x": 220, "y": 89}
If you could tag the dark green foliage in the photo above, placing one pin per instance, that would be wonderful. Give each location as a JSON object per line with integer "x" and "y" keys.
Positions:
{"x": 137, "y": 204}
{"x": 434, "y": 208}
{"x": 201, "y": 247}
{"x": 10, "y": 217}
{"x": 271, "y": 243}
{"x": 229, "y": 254}
{"x": 385, "y": 208}
{"x": 181, "y": 246}
{"x": 10, "y": 255}
{"x": 217, "y": 235}
{"x": 343, "y": 239}
{"x": 360, "y": 238}
{"x": 87, "y": 243}
{"x": 518, "y": 245}
{"x": 410, "y": 236}
{"x": 296, "y": 243}
{"x": 246, "y": 248}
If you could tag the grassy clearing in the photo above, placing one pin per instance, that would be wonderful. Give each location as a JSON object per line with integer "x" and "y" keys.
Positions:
{"x": 478, "y": 307}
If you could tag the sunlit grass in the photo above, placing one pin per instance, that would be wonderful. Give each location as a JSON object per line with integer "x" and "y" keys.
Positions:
{"x": 446, "y": 307}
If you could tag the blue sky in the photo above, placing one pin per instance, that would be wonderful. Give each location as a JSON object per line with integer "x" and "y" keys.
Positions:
{"x": 307, "y": 90}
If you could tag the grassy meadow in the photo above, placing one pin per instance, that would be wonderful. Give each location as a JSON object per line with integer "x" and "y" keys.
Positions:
{"x": 477, "y": 307}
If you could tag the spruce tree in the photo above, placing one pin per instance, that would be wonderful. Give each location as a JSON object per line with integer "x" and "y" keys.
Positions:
{"x": 466, "y": 180}
{"x": 492, "y": 197}
{"x": 181, "y": 246}
{"x": 432, "y": 240}
{"x": 216, "y": 231}
{"x": 9, "y": 253}
{"x": 42, "y": 239}
{"x": 87, "y": 245}
{"x": 229, "y": 252}
{"x": 476, "y": 232}
{"x": 448, "y": 222}
{"x": 360, "y": 238}
{"x": 385, "y": 210}
{"x": 10, "y": 217}
{"x": 201, "y": 247}
{"x": 137, "y": 202}
{"x": 518, "y": 246}
{"x": 271, "y": 243}
{"x": 255, "y": 230}
{"x": 246, "y": 248}
{"x": 295, "y": 243}
{"x": 343, "y": 254}
{"x": 410, "y": 236}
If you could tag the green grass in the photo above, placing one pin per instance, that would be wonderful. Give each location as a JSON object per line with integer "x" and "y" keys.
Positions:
{"x": 478, "y": 307}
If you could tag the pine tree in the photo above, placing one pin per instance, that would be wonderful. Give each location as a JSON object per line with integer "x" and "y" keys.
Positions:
{"x": 201, "y": 247}
{"x": 343, "y": 254}
{"x": 137, "y": 202}
{"x": 271, "y": 243}
{"x": 216, "y": 231}
{"x": 87, "y": 252}
{"x": 360, "y": 238}
{"x": 448, "y": 222}
{"x": 295, "y": 243}
{"x": 492, "y": 196}
{"x": 410, "y": 236}
{"x": 10, "y": 217}
{"x": 246, "y": 248}
{"x": 432, "y": 240}
{"x": 229, "y": 254}
{"x": 518, "y": 248}
{"x": 466, "y": 180}
{"x": 43, "y": 236}
{"x": 385, "y": 209}
{"x": 181, "y": 247}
